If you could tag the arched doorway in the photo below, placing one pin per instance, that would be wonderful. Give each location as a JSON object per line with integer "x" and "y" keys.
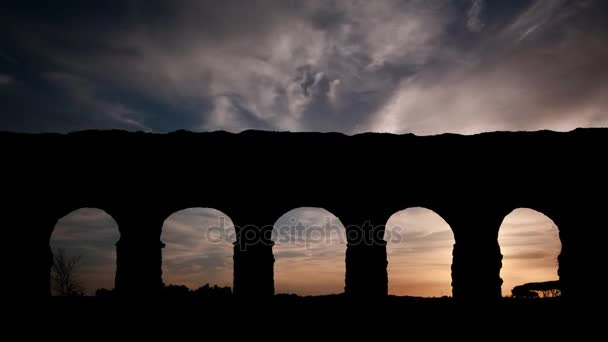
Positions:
{"x": 419, "y": 249}
{"x": 309, "y": 252}
{"x": 529, "y": 242}
{"x": 198, "y": 249}
{"x": 84, "y": 252}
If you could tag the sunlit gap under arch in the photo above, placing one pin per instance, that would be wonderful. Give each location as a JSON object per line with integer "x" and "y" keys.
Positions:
{"x": 309, "y": 252}
{"x": 89, "y": 234}
{"x": 198, "y": 248}
{"x": 529, "y": 242}
{"x": 419, "y": 250}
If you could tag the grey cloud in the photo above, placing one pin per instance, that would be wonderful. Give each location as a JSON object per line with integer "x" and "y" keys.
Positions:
{"x": 541, "y": 14}
{"x": 289, "y": 254}
{"x": 195, "y": 267}
{"x": 529, "y": 231}
{"x": 528, "y": 219}
{"x": 207, "y": 263}
{"x": 92, "y": 225}
{"x": 197, "y": 226}
{"x": 528, "y": 255}
{"x": 268, "y": 64}
{"x": 343, "y": 66}
{"x": 550, "y": 80}
{"x": 83, "y": 96}
{"x": 441, "y": 235}
{"x": 6, "y": 80}
{"x": 474, "y": 21}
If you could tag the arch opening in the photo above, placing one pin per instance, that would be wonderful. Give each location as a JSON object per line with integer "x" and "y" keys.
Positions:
{"x": 198, "y": 252}
{"x": 419, "y": 250}
{"x": 84, "y": 253}
{"x": 309, "y": 252}
{"x": 530, "y": 245}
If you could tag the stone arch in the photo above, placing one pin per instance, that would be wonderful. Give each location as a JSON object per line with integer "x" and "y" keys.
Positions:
{"x": 91, "y": 234}
{"x": 309, "y": 239}
{"x": 198, "y": 244}
{"x": 419, "y": 251}
{"x": 530, "y": 247}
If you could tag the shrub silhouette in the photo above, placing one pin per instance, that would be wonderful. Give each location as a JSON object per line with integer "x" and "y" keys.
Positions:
{"x": 205, "y": 291}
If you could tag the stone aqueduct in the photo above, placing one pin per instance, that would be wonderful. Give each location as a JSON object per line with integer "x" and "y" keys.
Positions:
{"x": 254, "y": 177}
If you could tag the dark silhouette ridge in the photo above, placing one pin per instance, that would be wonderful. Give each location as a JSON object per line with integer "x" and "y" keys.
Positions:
{"x": 472, "y": 182}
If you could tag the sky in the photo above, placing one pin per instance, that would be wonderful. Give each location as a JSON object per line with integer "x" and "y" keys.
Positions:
{"x": 351, "y": 66}
{"x": 416, "y": 66}
{"x": 310, "y": 246}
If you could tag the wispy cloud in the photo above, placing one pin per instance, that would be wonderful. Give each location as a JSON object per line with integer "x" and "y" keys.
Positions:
{"x": 85, "y": 97}
{"x": 535, "y": 18}
{"x": 530, "y": 244}
{"x": 419, "y": 259}
{"x": 198, "y": 248}
{"x": 474, "y": 20}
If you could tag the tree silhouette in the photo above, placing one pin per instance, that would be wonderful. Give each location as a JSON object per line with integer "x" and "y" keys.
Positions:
{"x": 546, "y": 289}
{"x": 523, "y": 291}
{"x": 64, "y": 274}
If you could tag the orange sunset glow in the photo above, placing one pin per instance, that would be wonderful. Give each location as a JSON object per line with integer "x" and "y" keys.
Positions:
{"x": 310, "y": 246}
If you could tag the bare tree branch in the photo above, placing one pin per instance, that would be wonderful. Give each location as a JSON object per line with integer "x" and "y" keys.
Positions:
{"x": 64, "y": 274}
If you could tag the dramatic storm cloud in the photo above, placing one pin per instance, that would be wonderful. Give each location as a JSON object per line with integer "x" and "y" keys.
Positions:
{"x": 399, "y": 66}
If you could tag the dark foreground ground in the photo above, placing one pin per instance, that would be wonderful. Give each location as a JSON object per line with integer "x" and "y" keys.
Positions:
{"x": 283, "y": 308}
{"x": 313, "y": 318}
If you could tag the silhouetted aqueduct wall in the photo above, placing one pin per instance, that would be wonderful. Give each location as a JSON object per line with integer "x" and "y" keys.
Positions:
{"x": 473, "y": 182}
